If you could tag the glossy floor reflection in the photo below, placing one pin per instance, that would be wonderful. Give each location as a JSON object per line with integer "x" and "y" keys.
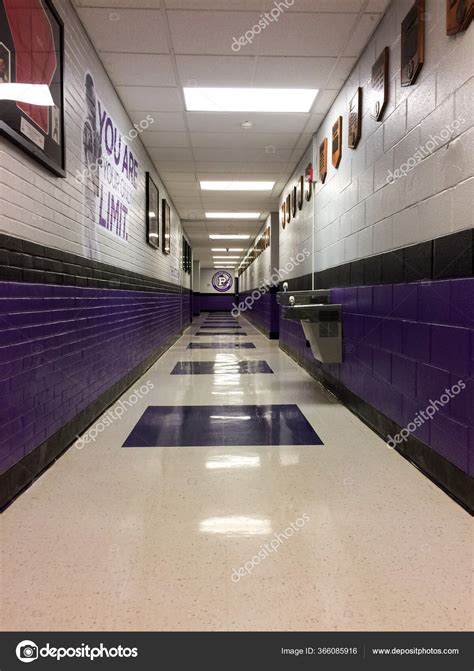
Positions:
{"x": 169, "y": 539}
{"x": 231, "y": 366}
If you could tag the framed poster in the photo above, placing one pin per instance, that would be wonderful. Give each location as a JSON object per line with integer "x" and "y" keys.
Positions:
{"x": 323, "y": 160}
{"x": 32, "y": 53}
{"x": 293, "y": 202}
{"x": 152, "y": 212}
{"x": 166, "y": 219}
{"x": 283, "y": 214}
{"x": 354, "y": 119}
{"x": 459, "y": 14}
{"x": 379, "y": 85}
{"x": 336, "y": 146}
{"x": 412, "y": 41}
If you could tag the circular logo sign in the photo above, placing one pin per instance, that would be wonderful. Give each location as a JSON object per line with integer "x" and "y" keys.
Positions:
{"x": 222, "y": 281}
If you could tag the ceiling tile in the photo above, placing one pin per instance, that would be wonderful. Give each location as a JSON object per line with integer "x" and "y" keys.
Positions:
{"x": 210, "y": 71}
{"x": 125, "y": 30}
{"x": 153, "y": 98}
{"x": 143, "y": 69}
{"x": 161, "y": 121}
{"x": 293, "y": 72}
{"x": 299, "y": 34}
{"x": 164, "y": 139}
{"x": 231, "y": 122}
{"x": 244, "y": 139}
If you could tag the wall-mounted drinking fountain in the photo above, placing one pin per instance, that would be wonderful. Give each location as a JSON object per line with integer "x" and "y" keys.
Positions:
{"x": 321, "y": 321}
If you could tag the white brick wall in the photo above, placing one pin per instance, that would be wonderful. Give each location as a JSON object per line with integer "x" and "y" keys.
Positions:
{"x": 356, "y": 212}
{"x": 36, "y": 205}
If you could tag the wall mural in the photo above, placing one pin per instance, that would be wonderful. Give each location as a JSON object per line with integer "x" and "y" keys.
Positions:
{"x": 111, "y": 175}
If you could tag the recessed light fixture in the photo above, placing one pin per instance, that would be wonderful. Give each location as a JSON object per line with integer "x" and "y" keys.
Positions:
{"x": 220, "y": 236}
{"x": 232, "y": 215}
{"x": 248, "y": 99}
{"x": 237, "y": 186}
{"x": 219, "y": 256}
{"x": 34, "y": 94}
{"x": 227, "y": 249}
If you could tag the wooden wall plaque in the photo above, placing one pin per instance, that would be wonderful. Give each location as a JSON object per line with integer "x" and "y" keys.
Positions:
{"x": 323, "y": 160}
{"x": 379, "y": 85}
{"x": 300, "y": 192}
{"x": 459, "y": 14}
{"x": 283, "y": 214}
{"x": 336, "y": 145}
{"x": 412, "y": 41}
{"x": 309, "y": 179}
{"x": 354, "y": 119}
{"x": 293, "y": 202}
{"x": 288, "y": 208}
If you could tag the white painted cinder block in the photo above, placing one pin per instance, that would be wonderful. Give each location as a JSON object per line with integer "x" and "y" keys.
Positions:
{"x": 41, "y": 207}
{"x": 433, "y": 194}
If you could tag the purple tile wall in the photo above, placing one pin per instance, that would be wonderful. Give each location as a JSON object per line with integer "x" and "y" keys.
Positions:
{"x": 196, "y": 304}
{"x": 403, "y": 346}
{"x": 210, "y": 302}
{"x": 61, "y": 347}
{"x": 262, "y": 312}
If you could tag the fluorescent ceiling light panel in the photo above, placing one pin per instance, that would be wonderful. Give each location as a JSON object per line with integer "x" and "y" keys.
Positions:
{"x": 232, "y": 215}
{"x": 248, "y": 99}
{"x": 237, "y": 186}
{"x": 226, "y": 257}
{"x": 34, "y": 94}
{"x": 225, "y": 249}
{"x": 220, "y": 236}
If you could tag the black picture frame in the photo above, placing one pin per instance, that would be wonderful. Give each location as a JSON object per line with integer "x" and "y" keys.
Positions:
{"x": 39, "y": 131}
{"x": 152, "y": 212}
{"x": 166, "y": 227}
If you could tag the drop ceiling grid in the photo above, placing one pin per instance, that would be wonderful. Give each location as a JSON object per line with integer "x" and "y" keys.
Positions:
{"x": 177, "y": 43}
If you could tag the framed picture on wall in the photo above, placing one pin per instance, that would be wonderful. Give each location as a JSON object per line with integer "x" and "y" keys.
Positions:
{"x": 166, "y": 219}
{"x": 152, "y": 213}
{"x": 32, "y": 116}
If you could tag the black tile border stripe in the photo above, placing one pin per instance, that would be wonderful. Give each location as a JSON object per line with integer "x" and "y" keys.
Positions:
{"x": 20, "y": 476}
{"x": 439, "y": 470}
{"x": 25, "y": 261}
{"x": 448, "y": 257}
